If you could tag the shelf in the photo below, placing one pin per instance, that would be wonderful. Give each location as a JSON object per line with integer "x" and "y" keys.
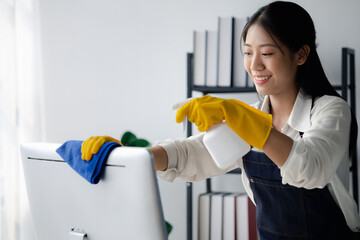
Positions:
{"x": 205, "y": 89}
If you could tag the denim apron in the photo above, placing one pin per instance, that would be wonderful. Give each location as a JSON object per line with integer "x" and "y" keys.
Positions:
{"x": 287, "y": 212}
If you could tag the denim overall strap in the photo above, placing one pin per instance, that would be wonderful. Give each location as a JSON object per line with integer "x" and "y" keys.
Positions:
{"x": 287, "y": 212}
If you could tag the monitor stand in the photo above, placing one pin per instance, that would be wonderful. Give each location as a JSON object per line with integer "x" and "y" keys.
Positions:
{"x": 77, "y": 234}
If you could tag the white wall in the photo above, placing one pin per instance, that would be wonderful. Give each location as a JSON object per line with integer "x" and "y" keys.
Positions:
{"x": 116, "y": 65}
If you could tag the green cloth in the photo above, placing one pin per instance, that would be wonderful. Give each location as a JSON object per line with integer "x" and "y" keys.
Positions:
{"x": 169, "y": 227}
{"x": 129, "y": 139}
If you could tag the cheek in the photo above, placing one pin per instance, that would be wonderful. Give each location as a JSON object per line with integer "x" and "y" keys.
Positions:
{"x": 285, "y": 68}
{"x": 247, "y": 63}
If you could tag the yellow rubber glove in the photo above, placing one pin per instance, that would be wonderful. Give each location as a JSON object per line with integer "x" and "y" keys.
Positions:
{"x": 92, "y": 146}
{"x": 249, "y": 123}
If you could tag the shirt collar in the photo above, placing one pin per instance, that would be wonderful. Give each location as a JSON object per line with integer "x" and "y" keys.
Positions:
{"x": 265, "y": 105}
{"x": 300, "y": 115}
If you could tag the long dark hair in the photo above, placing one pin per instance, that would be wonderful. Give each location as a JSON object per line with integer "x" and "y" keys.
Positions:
{"x": 290, "y": 24}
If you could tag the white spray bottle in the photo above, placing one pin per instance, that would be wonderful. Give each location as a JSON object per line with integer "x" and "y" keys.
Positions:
{"x": 224, "y": 145}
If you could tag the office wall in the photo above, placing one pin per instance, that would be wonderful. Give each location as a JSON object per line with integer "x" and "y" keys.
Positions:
{"x": 116, "y": 65}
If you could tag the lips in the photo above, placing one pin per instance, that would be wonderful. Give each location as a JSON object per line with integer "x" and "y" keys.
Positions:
{"x": 261, "y": 79}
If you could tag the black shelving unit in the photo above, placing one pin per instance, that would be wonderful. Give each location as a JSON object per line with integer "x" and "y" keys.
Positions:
{"x": 347, "y": 85}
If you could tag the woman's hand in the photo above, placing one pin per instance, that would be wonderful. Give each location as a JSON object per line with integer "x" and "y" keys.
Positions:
{"x": 249, "y": 123}
{"x": 92, "y": 146}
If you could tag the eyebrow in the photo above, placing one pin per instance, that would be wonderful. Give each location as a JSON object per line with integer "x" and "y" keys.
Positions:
{"x": 262, "y": 45}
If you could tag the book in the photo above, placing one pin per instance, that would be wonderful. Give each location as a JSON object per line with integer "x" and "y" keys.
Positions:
{"x": 245, "y": 218}
{"x": 199, "y": 58}
{"x": 216, "y": 215}
{"x": 225, "y": 50}
{"x": 229, "y": 217}
{"x": 226, "y": 216}
{"x": 239, "y": 72}
{"x": 211, "y": 58}
{"x": 204, "y": 216}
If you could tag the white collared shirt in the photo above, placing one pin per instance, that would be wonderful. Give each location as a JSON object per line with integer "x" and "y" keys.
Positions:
{"x": 317, "y": 159}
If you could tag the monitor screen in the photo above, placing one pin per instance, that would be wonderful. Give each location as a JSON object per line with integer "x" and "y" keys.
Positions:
{"x": 125, "y": 204}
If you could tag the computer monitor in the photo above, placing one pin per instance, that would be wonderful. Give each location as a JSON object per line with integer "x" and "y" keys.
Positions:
{"x": 125, "y": 204}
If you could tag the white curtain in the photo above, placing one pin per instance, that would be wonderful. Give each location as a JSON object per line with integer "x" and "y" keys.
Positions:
{"x": 20, "y": 110}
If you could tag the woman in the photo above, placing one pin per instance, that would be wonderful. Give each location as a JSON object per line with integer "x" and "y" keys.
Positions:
{"x": 301, "y": 131}
{"x": 298, "y": 194}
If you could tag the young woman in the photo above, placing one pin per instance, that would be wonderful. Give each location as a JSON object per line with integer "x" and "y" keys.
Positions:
{"x": 293, "y": 181}
{"x": 301, "y": 132}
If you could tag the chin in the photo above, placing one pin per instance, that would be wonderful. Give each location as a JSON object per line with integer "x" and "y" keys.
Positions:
{"x": 261, "y": 90}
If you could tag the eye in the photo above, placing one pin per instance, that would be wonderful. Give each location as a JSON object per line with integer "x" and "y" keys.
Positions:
{"x": 247, "y": 53}
{"x": 267, "y": 54}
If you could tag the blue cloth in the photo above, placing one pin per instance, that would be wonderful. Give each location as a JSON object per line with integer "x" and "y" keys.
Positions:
{"x": 91, "y": 170}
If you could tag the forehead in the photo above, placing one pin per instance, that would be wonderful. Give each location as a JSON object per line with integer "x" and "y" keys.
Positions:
{"x": 257, "y": 36}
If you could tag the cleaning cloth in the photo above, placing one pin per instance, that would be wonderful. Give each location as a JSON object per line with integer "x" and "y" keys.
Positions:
{"x": 92, "y": 170}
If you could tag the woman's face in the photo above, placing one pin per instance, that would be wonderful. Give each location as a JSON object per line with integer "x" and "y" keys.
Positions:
{"x": 272, "y": 70}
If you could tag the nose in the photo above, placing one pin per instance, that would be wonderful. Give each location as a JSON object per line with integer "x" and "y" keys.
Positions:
{"x": 256, "y": 63}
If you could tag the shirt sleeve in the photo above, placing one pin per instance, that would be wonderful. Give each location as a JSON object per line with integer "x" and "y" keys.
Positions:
{"x": 189, "y": 160}
{"x": 314, "y": 159}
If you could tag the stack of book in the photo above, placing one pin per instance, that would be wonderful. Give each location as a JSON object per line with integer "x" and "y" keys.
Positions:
{"x": 218, "y": 60}
{"x": 226, "y": 216}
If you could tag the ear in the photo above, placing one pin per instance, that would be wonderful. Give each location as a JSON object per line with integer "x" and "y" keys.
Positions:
{"x": 302, "y": 54}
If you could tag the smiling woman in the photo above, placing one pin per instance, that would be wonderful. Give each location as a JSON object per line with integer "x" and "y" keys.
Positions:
{"x": 281, "y": 58}
{"x": 291, "y": 173}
